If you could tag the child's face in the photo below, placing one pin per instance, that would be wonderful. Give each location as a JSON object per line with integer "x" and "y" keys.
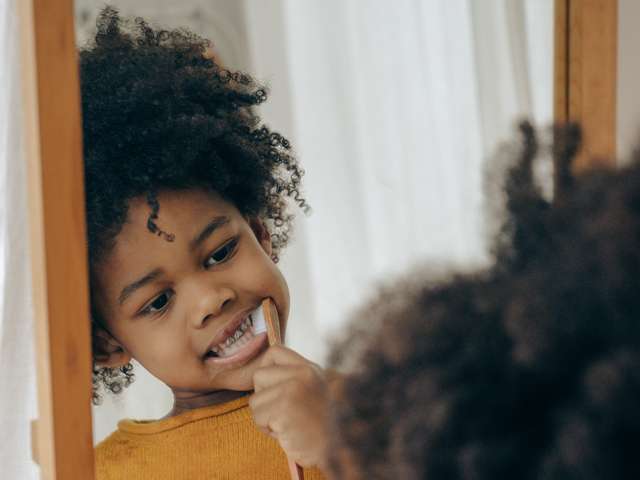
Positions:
{"x": 168, "y": 304}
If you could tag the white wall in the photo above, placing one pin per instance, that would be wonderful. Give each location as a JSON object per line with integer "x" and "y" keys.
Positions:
{"x": 628, "y": 88}
{"x": 18, "y": 402}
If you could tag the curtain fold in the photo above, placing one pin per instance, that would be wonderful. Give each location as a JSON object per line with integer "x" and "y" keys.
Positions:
{"x": 18, "y": 402}
{"x": 394, "y": 108}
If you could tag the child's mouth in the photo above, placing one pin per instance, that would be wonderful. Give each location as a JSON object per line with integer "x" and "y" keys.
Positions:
{"x": 234, "y": 342}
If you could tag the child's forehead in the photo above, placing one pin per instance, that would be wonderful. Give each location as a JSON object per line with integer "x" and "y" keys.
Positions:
{"x": 185, "y": 215}
{"x": 181, "y": 212}
{"x": 180, "y": 202}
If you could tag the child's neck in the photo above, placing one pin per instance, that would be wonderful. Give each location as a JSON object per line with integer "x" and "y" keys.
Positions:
{"x": 183, "y": 402}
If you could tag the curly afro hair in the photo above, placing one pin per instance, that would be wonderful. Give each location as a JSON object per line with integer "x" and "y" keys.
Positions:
{"x": 527, "y": 370}
{"x": 159, "y": 112}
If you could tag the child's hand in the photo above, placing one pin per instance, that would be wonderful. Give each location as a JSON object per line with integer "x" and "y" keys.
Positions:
{"x": 291, "y": 404}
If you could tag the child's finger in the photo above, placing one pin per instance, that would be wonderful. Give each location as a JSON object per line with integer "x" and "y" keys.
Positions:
{"x": 295, "y": 416}
{"x": 280, "y": 355}
{"x": 282, "y": 391}
{"x": 275, "y": 413}
{"x": 291, "y": 394}
{"x": 268, "y": 411}
{"x": 273, "y": 375}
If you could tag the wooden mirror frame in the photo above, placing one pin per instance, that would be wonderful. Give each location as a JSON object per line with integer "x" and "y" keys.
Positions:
{"x": 584, "y": 90}
{"x": 585, "y": 74}
{"x": 62, "y": 439}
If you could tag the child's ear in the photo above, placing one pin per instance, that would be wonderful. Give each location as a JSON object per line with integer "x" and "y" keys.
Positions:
{"x": 261, "y": 233}
{"x": 107, "y": 352}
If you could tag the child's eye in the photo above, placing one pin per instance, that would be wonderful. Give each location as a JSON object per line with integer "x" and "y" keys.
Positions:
{"x": 158, "y": 304}
{"x": 221, "y": 255}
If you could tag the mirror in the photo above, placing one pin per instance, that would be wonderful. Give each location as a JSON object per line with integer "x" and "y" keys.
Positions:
{"x": 393, "y": 109}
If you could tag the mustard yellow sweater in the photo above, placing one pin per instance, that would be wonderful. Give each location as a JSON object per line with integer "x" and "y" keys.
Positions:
{"x": 218, "y": 442}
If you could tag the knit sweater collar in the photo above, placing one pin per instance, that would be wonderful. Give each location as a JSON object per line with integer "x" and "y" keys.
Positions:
{"x": 236, "y": 408}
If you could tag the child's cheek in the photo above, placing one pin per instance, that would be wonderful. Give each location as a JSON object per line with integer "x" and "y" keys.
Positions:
{"x": 270, "y": 283}
{"x": 278, "y": 289}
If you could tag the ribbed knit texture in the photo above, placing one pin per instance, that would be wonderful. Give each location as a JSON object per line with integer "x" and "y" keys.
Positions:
{"x": 218, "y": 442}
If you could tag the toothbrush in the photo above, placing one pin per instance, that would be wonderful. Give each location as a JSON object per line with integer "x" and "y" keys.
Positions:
{"x": 266, "y": 319}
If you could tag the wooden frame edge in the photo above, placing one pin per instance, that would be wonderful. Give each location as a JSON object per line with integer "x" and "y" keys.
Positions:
{"x": 53, "y": 150}
{"x": 42, "y": 429}
{"x": 585, "y": 75}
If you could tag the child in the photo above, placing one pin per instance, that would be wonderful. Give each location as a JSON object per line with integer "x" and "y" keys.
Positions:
{"x": 530, "y": 370}
{"x": 186, "y": 214}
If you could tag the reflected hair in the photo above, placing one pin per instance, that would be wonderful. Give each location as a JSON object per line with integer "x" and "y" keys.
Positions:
{"x": 529, "y": 369}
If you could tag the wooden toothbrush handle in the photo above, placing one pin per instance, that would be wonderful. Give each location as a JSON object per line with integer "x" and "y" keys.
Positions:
{"x": 295, "y": 470}
{"x": 272, "y": 322}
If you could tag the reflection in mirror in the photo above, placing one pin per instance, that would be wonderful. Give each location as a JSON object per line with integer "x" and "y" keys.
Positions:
{"x": 393, "y": 109}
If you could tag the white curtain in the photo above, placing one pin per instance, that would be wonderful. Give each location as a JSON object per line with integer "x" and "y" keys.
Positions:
{"x": 18, "y": 404}
{"x": 393, "y": 107}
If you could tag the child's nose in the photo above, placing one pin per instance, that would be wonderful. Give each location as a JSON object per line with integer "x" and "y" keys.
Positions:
{"x": 210, "y": 301}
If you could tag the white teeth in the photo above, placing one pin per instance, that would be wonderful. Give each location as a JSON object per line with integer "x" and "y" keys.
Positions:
{"x": 237, "y": 340}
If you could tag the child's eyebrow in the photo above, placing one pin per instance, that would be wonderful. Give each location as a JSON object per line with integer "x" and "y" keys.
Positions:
{"x": 128, "y": 290}
{"x": 214, "y": 224}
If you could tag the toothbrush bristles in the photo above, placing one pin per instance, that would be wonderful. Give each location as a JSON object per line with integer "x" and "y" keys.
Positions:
{"x": 257, "y": 317}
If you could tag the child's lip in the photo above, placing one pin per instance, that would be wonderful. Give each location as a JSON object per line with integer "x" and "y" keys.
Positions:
{"x": 256, "y": 345}
{"x": 229, "y": 329}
